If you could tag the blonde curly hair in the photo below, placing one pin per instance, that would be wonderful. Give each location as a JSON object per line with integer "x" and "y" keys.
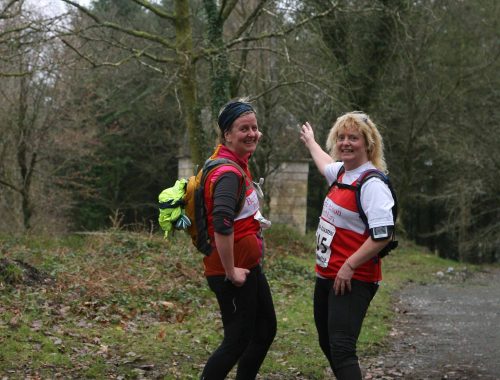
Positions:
{"x": 361, "y": 122}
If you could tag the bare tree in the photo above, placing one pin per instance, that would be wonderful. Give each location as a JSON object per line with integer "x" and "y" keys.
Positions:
{"x": 181, "y": 53}
{"x": 29, "y": 80}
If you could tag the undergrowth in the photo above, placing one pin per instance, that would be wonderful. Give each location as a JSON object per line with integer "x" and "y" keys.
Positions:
{"x": 122, "y": 305}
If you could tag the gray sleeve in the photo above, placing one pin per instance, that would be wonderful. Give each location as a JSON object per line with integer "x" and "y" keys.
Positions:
{"x": 225, "y": 195}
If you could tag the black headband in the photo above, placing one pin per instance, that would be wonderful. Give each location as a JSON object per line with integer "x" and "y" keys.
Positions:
{"x": 231, "y": 112}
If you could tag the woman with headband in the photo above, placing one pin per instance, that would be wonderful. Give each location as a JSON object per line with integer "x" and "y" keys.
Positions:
{"x": 348, "y": 268}
{"x": 233, "y": 268}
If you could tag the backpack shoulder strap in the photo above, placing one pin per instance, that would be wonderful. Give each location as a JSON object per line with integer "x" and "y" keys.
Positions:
{"x": 365, "y": 176}
{"x": 213, "y": 163}
{"x": 340, "y": 172}
{"x": 340, "y": 184}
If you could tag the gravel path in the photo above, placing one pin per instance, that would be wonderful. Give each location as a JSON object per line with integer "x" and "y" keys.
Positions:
{"x": 449, "y": 330}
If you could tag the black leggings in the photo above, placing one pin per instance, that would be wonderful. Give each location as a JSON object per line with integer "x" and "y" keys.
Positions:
{"x": 338, "y": 322}
{"x": 249, "y": 324}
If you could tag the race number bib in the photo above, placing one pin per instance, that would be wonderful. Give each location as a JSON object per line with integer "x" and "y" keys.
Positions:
{"x": 324, "y": 237}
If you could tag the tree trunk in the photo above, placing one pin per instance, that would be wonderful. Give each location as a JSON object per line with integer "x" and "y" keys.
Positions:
{"x": 219, "y": 61}
{"x": 25, "y": 169}
{"x": 191, "y": 110}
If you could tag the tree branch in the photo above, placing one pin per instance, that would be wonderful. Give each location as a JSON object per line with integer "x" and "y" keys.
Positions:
{"x": 135, "y": 53}
{"x": 84, "y": 10}
{"x": 3, "y": 12}
{"x": 250, "y": 20}
{"x": 226, "y": 8}
{"x": 131, "y": 32}
{"x": 9, "y": 185}
{"x": 155, "y": 10}
{"x": 286, "y": 84}
{"x": 14, "y": 75}
{"x": 282, "y": 33}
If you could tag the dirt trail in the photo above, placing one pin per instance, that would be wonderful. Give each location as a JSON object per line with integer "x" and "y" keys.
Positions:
{"x": 449, "y": 330}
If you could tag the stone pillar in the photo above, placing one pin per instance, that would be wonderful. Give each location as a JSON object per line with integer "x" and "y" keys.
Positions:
{"x": 185, "y": 169}
{"x": 288, "y": 203}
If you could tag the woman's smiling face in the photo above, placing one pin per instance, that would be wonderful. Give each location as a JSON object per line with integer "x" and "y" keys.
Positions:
{"x": 243, "y": 136}
{"x": 351, "y": 147}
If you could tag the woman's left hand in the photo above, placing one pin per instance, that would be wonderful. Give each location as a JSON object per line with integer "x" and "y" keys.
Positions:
{"x": 342, "y": 282}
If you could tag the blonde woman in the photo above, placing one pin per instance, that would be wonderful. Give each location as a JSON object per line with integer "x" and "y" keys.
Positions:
{"x": 348, "y": 269}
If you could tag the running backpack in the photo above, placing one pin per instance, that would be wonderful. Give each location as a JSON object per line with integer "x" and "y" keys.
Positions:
{"x": 365, "y": 176}
{"x": 182, "y": 206}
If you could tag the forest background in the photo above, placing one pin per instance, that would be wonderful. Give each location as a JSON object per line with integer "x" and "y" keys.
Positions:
{"x": 98, "y": 102}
